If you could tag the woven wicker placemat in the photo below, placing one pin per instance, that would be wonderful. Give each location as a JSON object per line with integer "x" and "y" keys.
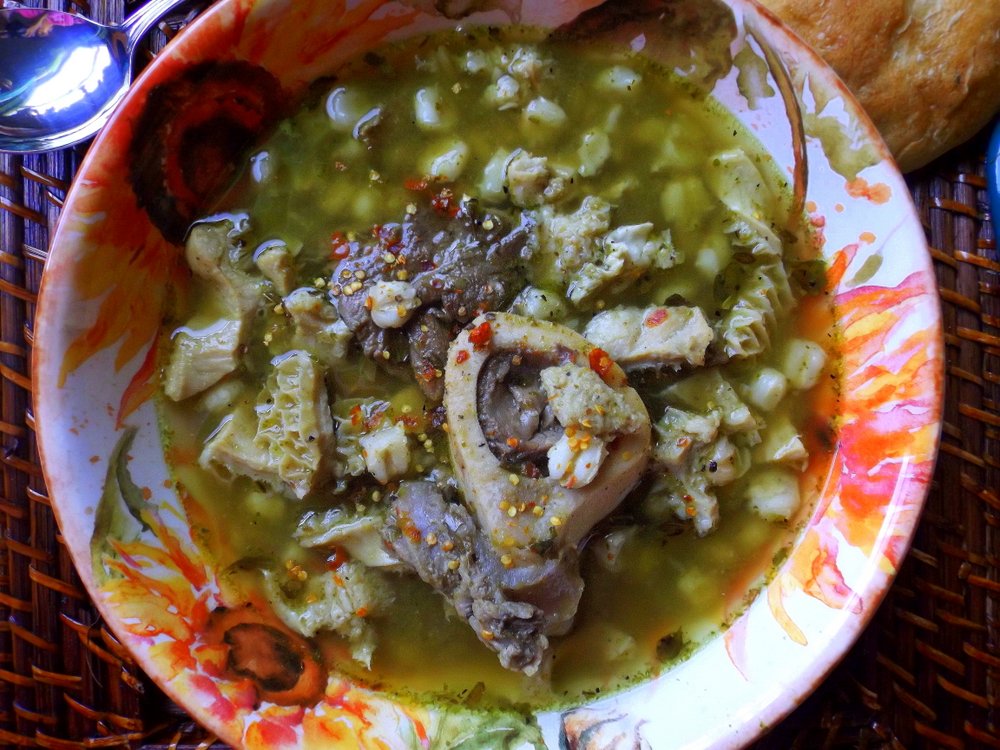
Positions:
{"x": 926, "y": 673}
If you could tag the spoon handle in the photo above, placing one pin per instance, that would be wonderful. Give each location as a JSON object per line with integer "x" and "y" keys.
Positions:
{"x": 145, "y": 18}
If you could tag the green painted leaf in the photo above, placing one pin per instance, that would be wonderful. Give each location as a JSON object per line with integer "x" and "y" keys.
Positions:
{"x": 119, "y": 512}
{"x": 469, "y": 730}
{"x": 752, "y": 79}
{"x": 846, "y": 144}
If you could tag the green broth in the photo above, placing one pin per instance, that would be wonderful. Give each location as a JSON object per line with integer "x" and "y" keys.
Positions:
{"x": 313, "y": 179}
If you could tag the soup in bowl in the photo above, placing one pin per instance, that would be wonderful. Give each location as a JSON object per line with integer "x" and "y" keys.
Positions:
{"x": 510, "y": 375}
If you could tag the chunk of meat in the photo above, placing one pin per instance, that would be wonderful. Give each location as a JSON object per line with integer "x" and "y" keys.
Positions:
{"x": 513, "y": 410}
{"x": 286, "y": 441}
{"x": 343, "y": 601}
{"x": 317, "y": 328}
{"x": 533, "y": 522}
{"x": 201, "y": 358}
{"x": 212, "y": 250}
{"x": 428, "y": 338}
{"x": 653, "y": 337}
{"x": 580, "y": 398}
{"x": 458, "y": 262}
{"x": 386, "y": 452}
{"x": 359, "y": 535}
{"x": 564, "y": 515}
{"x": 626, "y": 253}
{"x": 512, "y": 609}
{"x": 569, "y": 241}
{"x": 476, "y": 263}
{"x": 277, "y": 263}
{"x": 530, "y": 182}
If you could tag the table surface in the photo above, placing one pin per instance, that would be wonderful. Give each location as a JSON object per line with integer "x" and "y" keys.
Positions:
{"x": 925, "y": 674}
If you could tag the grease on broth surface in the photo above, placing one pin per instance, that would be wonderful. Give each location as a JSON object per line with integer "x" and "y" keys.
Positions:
{"x": 441, "y": 125}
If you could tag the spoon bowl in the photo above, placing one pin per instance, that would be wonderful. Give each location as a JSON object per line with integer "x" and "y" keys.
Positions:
{"x": 62, "y": 75}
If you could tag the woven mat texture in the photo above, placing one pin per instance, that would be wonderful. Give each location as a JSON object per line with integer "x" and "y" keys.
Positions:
{"x": 926, "y": 673}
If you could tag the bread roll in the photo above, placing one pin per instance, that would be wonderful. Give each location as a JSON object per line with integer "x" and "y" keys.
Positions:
{"x": 927, "y": 71}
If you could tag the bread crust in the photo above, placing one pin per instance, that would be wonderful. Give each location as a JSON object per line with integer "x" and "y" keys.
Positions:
{"x": 927, "y": 71}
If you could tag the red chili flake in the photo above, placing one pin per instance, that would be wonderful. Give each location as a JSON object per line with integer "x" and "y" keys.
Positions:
{"x": 410, "y": 530}
{"x": 388, "y": 237}
{"x": 416, "y": 184}
{"x": 356, "y": 415}
{"x": 444, "y": 203}
{"x": 461, "y": 356}
{"x": 361, "y": 611}
{"x": 480, "y": 335}
{"x": 409, "y": 422}
{"x": 340, "y": 248}
{"x": 428, "y": 373}
{"x": 601, "y": 363}
{"x": 656, "y": 317}
{"x": 338, "y": 558}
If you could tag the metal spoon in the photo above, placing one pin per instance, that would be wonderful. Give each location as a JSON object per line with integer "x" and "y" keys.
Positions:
{"x": 61, "y": 75}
